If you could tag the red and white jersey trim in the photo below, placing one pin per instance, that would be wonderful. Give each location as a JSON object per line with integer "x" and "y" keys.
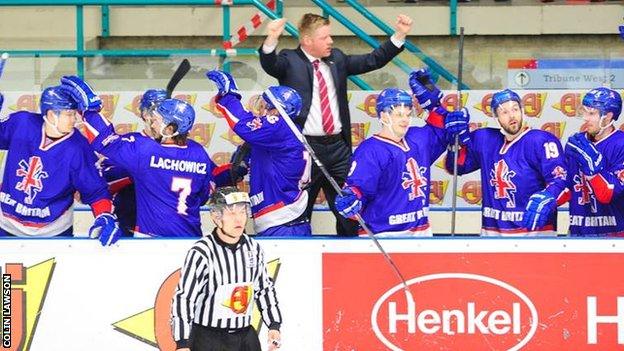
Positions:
{"x": 279, "y": 214}
{"x": 421, "y": 231}
{"x": 41, "y": 230}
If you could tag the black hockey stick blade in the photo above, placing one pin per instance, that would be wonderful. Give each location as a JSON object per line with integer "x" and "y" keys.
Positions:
{"x": 182, "y": 70}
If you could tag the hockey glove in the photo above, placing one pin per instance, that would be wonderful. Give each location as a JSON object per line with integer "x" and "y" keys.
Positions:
{"x": 240, "y": 162}
{"x": 427, "y": 94}
{"x": 585, "y": 154}
{"x": 538, "y": 209}
{"x": 349, "y": 203}
{"x": 225, "y": 82}
{"x": 82, "y": 93}
{"x": 456, "y": 124}
{"x": 106, "y": 228}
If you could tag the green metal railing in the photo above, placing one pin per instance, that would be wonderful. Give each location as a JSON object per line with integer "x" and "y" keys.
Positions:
{"x": 411, "y": 47}
{"x": 80, "y": 52}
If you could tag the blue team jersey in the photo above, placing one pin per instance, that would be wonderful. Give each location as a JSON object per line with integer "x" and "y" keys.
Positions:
{"x": 171, "y": 182}
{"x": 279, "y": 167}
{"x": 42, "y": 175}
{"x": 590, "y": 215}
{"x": 394, "y": 179}
{"x": 121, "y": 187}
{"x": 510, "y": 173}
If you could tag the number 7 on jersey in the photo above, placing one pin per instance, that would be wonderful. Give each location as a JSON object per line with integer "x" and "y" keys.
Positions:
{"x": 183, "y": 187}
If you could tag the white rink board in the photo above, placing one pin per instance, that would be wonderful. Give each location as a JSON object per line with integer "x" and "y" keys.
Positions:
{"x": 93, "y": 287}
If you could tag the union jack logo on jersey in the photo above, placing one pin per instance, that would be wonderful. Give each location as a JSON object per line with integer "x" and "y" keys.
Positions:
{"x": 559, "y": 172}
{"x": 254, "y": 124}
{"x": 501, "y": 180}
{"x": 587, "y": 194}
{"x": 414, "y": 180}
{"x": 32, "y": 173}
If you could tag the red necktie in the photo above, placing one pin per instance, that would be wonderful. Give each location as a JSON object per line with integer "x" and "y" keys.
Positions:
{"x": 326, "y": 113}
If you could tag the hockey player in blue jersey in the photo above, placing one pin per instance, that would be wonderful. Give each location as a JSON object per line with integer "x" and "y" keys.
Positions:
{"x": 279, "y": 165}
{"x": 48, "y": 160}
{"x": 596, "y": 168}
{"x": 389, "y": 180}
{"x": 522, "y": 171}
{"x": 119, "y": 180}
{"x": 173, "y": 176}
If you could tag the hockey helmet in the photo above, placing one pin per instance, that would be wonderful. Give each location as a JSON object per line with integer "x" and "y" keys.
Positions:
{"x": 392, "y": 97}
{"x": 287, "y": 97}
{"x": 502, "y": 97}
{"x": 152, "y": 97}
{"x": 605, "y": 100}
{"x": 54, "y": 98}
{"x": 227, "y": 196}
{"x": 179, "y": 112}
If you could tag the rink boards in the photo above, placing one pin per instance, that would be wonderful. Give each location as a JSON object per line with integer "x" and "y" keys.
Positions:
{"x": 465, "y": 294}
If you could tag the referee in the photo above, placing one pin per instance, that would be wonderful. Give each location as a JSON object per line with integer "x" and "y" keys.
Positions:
{"x": 223, "y": 274}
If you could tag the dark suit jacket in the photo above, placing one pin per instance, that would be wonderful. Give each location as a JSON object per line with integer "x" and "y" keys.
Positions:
{"x": 292, "y": 68}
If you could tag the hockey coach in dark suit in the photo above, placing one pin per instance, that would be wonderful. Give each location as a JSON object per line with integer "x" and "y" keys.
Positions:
{"x": 319, "y": 73}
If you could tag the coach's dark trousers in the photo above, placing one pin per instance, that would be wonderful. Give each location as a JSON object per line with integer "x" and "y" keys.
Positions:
{"x": 213, "y": 339}
{"x": 335, "y": 155}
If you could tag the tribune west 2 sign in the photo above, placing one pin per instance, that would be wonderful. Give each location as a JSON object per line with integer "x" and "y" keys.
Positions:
{"x": 564, "y": 74}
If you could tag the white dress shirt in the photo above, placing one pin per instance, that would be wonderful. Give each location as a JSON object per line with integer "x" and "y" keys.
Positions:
{"x": 314, "y": 123}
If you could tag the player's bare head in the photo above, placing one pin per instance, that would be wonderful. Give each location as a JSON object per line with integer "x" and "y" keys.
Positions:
{"x": 172, "y": 118}
{"x": 229, "y": 209}
{"x": 59, "y": 111}
{"x": 286, "y": 97}
{"x": 601, "y": 107}
{"x": 315, "y": 35}
{"x": 507, "y": 108}
{"x": 394, "y": 109}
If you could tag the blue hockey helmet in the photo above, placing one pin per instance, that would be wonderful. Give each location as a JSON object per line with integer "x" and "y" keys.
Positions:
{"x": 605, "y": 100}
{"x": 502, "y": 97}
{"x": 54, "y": 98}
{"x": 151, "y": 97}
{"x": 391, "y": 97}
{"x": 287, "y": 97}
{"x": 179, "y": 112}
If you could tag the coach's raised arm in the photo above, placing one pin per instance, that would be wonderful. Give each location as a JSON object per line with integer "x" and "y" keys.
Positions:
{"x": 319, "y": 72}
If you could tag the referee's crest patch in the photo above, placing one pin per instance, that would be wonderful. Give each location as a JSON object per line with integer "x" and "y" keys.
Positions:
{"x": 251, "y": 260}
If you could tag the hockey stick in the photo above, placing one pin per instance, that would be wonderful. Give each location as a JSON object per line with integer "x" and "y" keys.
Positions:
{"x": 336, "y": 187}
{"x": 3, "y": 59}
{"x": 456, "y": 146}
{"x": 177, "y": 76}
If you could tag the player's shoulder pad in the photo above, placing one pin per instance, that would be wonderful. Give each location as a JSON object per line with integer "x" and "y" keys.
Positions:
{"x": 487, "y": 133}
{"x": 23, "y": 118}
{"x": 136, "y": 135}
{"x": 192, "y": 144}
{"x": 539, "y": 135}
{"x": 372, "y": 148}
{"x": 618, "y": 135}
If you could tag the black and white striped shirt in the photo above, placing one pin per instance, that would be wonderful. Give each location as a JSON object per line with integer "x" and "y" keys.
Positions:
{"x": 218, "y": 286}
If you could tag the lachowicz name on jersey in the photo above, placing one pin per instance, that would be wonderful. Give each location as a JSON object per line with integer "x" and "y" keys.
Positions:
{"x": 178, "y": 165}
{"x": 23, "y": 209}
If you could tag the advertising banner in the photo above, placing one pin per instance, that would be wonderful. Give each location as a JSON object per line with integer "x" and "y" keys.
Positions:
{"x": 477, "y": 294}
{"x": 473, "y": 301}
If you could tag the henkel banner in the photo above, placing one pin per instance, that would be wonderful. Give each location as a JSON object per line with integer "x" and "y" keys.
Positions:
{"x": 473, "y": 301}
